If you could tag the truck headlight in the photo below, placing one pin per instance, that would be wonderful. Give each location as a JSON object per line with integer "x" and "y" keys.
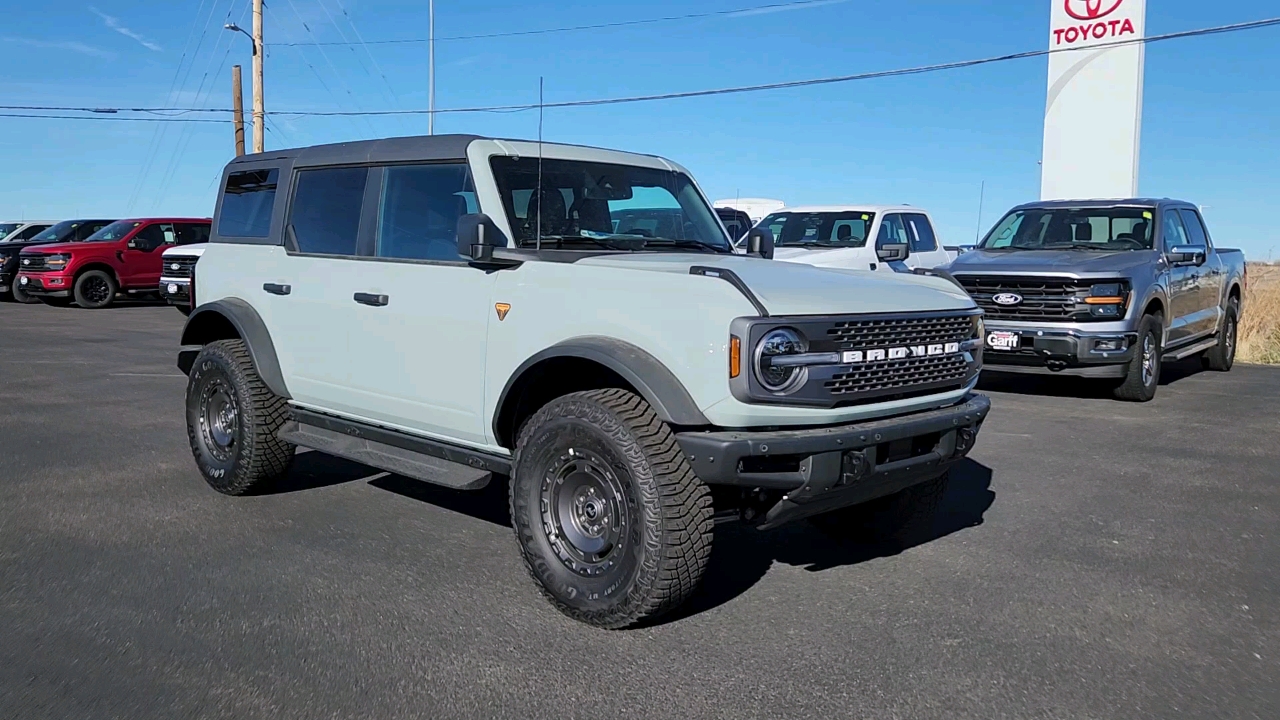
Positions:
{"x": 56, "y": 262}
{"x": 777, "y": 344}
{"x": 1108, "y": 299}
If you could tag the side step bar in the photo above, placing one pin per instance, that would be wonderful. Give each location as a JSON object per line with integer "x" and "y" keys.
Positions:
{"x": 1181, "y": 353}
{"x": 415, "y": 457}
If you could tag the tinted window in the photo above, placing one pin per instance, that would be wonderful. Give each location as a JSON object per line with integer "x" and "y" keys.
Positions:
{"x": 115, "y": 231}
{"x": 87, "y": 230}
{"x": 29, "y": 232}
{"x": 893, "y": 231}
{"x": 247, "y": 203}
{"x": 7, "y": 228}
{"x": 1175, "y": 233}
{"x": 421, "y": 205}
{"x": 192, "y": 233}
{"x": 922, "y": 237}
{"x": 325, "y": 213}
{"x": 153, "y": 236}
{"x": 1195, "y": 228}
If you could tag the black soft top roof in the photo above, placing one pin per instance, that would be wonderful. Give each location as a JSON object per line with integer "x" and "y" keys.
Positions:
{"x": 423, "y": 147}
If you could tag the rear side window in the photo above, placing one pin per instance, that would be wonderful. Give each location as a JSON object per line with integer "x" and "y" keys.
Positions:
{"x": 1195, "y": 228}
{"x": 192, "y": 233}
{"x": 247, "y": 203}
{"x": 325, "y": 213}
{"x": 922, "y": 237}
{"x": 420, "y": 210}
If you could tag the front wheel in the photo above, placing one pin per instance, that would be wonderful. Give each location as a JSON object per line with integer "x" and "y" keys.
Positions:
{"x": 21, "y": 297}
{"x": 1223, "y": 356}
{"x": 614, "y": 526}
{"x": 95, "y": 289}
{"x": 233, "y": 421}
{"x": 1142, "y": 374}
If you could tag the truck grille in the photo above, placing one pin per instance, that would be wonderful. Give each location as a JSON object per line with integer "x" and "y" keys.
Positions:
{"x": 856, "y": 334}
{"x": 32, "y": 264}
{"x": 179, "y": 267}
{"x": 1050, "y": 299}
{"x": 925, "y": 374}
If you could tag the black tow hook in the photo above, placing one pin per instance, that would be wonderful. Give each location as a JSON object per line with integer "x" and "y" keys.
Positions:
{"x": 1056, "y": 365}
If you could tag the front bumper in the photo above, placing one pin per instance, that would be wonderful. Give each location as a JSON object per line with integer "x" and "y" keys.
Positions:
{"x": 1073, "y": 351}
{"x": 827, "y": 468}
{"x": 54, "y": 286}
{"x": 176, "y": 290}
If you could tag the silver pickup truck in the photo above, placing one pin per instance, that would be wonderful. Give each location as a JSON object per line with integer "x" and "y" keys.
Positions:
{"x": 1105, "y": 289}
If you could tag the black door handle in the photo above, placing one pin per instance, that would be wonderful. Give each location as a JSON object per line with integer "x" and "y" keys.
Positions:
{"x": 277, "y": 289}
{"x": 371, "y": 299}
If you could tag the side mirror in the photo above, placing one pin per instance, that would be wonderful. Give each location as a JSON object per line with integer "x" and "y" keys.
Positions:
{"x": 1188, "y": 255}
{"x": 893, "y": 252}
{"x": 133, "y": 244}
{"x": 760, "y": 242}
{"x": 478, "y": 236}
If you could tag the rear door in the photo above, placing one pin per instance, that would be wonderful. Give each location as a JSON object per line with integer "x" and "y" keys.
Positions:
{"x": 926, "y": 252}
{"x": 1183, "y": 281}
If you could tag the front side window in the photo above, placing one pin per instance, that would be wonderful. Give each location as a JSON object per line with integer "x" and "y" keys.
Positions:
{"x": 893, "y": 231}
{"x": 247, "y": 203}
{"x": 1175, "y": 233}
{"x": 922, "y": 237}
{"x": 819, "y": 229}
{"x": 6, "y": 229}
{"x": 583, "y": 205}
{"x": 115, "y": 231}
{"x": 325, "y": 213}
{"x": 1100, "y": 229}
{"x": 1195, "y": 228}
{"x": 421, "y": 205}
{"x": 153, "y": 236}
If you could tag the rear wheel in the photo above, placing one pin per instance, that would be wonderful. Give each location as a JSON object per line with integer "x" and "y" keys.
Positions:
{"x": 233, "y": 421}
{"x": 1223, "y": 357}
{"x": 906, "y": 517}
{"x": 612, "y": 522}
{"x": 95, "y": 289}
{"x": 1142, "y": 376}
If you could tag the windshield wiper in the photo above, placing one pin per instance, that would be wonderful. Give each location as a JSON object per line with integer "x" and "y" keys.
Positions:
{"x": 690, "y": 244}
{"x": 608, "y": 242}
{"x": 1075, "y": 246}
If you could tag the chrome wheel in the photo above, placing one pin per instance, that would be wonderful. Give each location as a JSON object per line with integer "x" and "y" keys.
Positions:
{"x": 219, "y": 419}
{"x": 584, "y": 512}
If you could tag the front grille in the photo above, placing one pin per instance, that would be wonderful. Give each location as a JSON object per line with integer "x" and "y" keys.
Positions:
{"x": 179, "y": 267}
{"x": 901, "y": 332}
{"x": 33, "y": 264}
{"x": 1050, "y": 299}
{"x": 901, "y": 375}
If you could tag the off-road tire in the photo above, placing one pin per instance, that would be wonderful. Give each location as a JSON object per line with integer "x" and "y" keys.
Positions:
{"x": 1222, "y": 357}
{"x": 905, "y": 517}
{"x": 95, "y": 289}
{"x": 254, "y": 457}
{"x": 1140, "y": 385}
{"x": 661, "y": 510}
{"x": 21, "y": 297}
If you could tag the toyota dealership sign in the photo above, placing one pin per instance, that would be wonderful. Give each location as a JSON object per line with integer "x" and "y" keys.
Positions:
{"x": 1093, "y": 113}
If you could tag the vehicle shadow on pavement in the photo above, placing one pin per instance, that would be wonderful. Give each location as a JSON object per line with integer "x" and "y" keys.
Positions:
{"x": 1051, "y": 386}
{"x": 741, "y": 555}
{"x": 313, "y": 470}
{"x": 490, "y": 504}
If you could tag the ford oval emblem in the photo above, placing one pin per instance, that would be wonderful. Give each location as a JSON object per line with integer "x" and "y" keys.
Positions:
{"x": 1007, "y": 299}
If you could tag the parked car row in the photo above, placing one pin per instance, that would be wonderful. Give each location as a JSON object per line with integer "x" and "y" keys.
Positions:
{"x": 92, "y": 262}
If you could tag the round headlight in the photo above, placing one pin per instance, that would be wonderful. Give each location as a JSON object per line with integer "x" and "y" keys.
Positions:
{"x": 779, "y": 343}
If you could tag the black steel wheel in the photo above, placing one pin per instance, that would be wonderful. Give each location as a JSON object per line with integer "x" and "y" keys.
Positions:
{"x": 612, "y": 523}
{"x": 233, "y": 421}
{"x": 22, "y": 297}
{"x": 95, "y": 289}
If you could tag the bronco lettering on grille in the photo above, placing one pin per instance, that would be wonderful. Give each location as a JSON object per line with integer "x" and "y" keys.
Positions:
{"x": 855, "y": 357}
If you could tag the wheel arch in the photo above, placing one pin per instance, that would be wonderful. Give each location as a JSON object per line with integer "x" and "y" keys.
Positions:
{"x": 233, "y": 319}
{"x": 591, "y": 363}
{"x": 97, "y": 265}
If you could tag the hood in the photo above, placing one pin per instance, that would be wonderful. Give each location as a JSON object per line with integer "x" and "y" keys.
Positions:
{"x": 185, "y": 251}
{"x": 788, "y": 288}
{"x": 1071, "y": 262}
{"x": 815, "y": 256}
{"x": 68, "y": 247}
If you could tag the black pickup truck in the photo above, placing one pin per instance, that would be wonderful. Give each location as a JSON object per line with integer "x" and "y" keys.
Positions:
{"x": 1105, "y": 289}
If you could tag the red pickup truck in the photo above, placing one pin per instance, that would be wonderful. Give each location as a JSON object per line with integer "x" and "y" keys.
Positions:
{"x": 124, "y": 256}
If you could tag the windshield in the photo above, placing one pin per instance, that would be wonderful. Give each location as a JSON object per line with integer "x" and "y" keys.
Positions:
{"x": 57, "y": 232}
{"x": 616, "y": 207}
{"x": 115, "y": 231}
{"x": 6, "y": 229}
{"x": 819, "y": 229}
{"x": 1102, "y": 229}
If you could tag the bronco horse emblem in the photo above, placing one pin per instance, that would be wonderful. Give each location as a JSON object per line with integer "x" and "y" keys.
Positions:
{"x": 1091, "y": 9}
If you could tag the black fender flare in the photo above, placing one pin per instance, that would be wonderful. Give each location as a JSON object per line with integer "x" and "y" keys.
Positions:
{"x": 652, "y": 380}
{"x": 208, "y": 323}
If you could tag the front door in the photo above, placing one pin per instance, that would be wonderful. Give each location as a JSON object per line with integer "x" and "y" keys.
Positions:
{"x": 142, "y": 257}
{"x": 418, "y": 312}
{"x": 1183, "y": 282}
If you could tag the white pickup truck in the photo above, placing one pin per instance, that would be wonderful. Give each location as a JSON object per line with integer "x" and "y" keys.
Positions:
{"x": 841, "y": 236}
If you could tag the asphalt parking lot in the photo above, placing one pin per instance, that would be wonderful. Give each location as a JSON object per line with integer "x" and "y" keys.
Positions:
{"x": 1093, "y": 560}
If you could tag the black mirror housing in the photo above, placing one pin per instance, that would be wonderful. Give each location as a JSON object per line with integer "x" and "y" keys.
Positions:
{"x": 760, "y": 242}
{"x": 1188, "y": 254}
{"x": 478, "y": 235}
{"x": 893, "y": 252}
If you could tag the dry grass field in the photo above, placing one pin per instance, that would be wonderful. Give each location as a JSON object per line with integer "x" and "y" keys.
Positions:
{"x": 1260, "y": 327}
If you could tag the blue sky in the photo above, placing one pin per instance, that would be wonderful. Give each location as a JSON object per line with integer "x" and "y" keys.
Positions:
{"x": 1210, "y": 135}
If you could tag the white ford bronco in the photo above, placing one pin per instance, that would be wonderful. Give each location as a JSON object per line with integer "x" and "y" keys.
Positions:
{"x": 457, "y": 309}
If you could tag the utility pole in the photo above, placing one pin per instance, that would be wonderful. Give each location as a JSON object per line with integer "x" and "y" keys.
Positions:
{"x": 431, "y": 67}
{"x": 259, "y": 111}
{"x": 237, "y": 108}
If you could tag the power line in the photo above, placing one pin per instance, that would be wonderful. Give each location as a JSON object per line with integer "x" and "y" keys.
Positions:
{"x": 102, "y": 118}
{"x": 918, "y": 70}
{"x": 777, "y": 6}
